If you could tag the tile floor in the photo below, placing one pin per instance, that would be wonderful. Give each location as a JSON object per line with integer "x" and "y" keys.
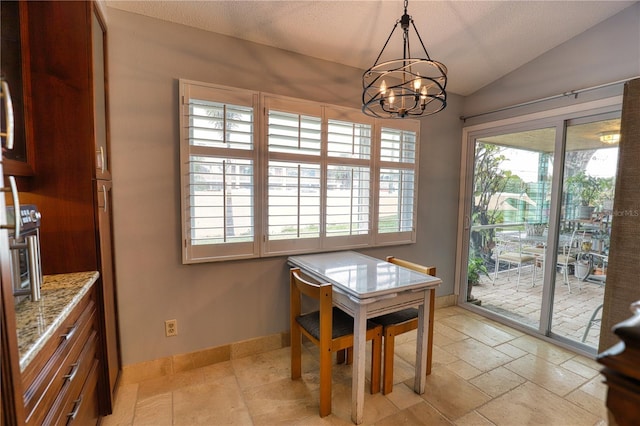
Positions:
{"x": 571, "y": 311}
{"x": 483, "y": 373}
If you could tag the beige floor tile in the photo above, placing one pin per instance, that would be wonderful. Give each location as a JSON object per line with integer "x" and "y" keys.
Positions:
{"x": 169, "y": 383}
{"x": 464, "y": 369}
{"x": 272, "y": 366}
{"x": 530, "y": 404}
{"x": 589, "y": 362}
{"x": 215, "y": 403}
{"x": 580, "y": 368}
{"x": 418, "y": 414}
{"x": 472, "y": 383}
{"x": 542, "y": 349}
{"x": 497, "y": 381}
{"x": 124, "y": 408}
{"x": 550, "y": 376}
{"x": 451, "y": 395}
{"x": 479, "y": 355}
{"x": 440, "y": 357}
{"x": 441, "y": 329}
{"x": 376, "y": 407}
{"x": 155, "y": 410}
{"x": 473, "y": 419}
{"x": 214, "y": 372}
{"x": 591, "y": 396}
{"x": 282, "y": 401}
{"x": 484, "y": 332}
{"x": 512, "y": 351}
{"x": 403, "y": 396}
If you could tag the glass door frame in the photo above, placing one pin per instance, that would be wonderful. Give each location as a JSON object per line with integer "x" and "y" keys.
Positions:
{"x": 558, "y": 118}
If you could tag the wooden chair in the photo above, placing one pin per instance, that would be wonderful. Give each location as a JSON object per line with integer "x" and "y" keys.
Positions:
{"x": 331, "y": 330}
{"x": 402, "y": 321}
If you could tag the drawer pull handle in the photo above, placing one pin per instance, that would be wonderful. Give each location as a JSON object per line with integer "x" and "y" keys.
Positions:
{"x": 69, "y": 334}
{"x": 74, "y": 371}
{"x": 76, "y": 408}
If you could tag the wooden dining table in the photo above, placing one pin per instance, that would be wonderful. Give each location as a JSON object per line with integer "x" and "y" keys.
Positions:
{"x": 366, "y": 287}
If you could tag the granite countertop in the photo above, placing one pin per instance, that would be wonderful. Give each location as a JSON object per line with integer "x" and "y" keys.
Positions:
{"x": 36, "y": 321}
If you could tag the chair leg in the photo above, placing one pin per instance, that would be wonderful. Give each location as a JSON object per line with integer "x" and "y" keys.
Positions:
{"x": 565, "y": 274}
{"x": 592, "y": 320}
{"x": 387, "y": 369}
{"x": 296, "y": 352}
{"x": 432, "y": 308}
{"x": 325, "y": 382}
{"x": 376, "y": 362}
{"x": 341, "y": 356}
{"x": 350, "y": 355}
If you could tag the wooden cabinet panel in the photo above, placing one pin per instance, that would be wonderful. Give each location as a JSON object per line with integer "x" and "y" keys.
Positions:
{"x": 111, "y": 359}
{"x": 66, "y": 63}
{"x": 100, "y": 95}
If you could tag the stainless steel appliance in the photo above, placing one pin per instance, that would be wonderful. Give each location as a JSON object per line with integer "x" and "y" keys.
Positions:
{"x": 24, "y": 245}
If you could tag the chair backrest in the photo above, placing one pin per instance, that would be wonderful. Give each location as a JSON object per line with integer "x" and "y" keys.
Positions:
{"x": 321, "y": 292}
{"x": 568, "y": 249}
{"x": 429, "y": 270}
{"x": 507, "y": 241}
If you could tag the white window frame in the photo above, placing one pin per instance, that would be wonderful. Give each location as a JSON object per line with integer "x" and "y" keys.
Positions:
{"x": 261, "y": 246}
{"x": 405, "y": 237}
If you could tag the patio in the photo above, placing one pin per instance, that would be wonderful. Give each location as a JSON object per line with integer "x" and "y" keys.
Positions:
{"x": 571, "y": 311}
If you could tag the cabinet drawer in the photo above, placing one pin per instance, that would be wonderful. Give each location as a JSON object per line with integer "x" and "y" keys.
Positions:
{"x": 47, "y": 374}
{"x": 85, "y": 410}
{"x": 71, "y": 397}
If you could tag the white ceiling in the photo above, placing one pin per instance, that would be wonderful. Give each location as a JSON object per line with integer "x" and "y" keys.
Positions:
{"x": 478, "y": 41}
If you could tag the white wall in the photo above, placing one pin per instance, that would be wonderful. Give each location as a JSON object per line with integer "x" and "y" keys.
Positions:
{"x": 607, "y": 52}
{"x": 220, "y": 303}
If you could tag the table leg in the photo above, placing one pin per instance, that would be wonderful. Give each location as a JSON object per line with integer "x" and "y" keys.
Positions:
{"x": 422, "y": 343}
{"x": 358, "y": 368}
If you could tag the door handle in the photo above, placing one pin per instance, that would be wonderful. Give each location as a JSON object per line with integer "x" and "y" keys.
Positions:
{"x": 8, "y": 116}
{"x": 13, "y": 188}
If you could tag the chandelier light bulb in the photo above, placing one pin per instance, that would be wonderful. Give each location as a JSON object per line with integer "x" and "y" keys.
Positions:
{"x": 417, "y": 82}
{"x": 383, "y": 88}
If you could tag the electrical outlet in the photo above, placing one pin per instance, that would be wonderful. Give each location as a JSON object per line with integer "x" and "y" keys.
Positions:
{"x": 171, "y": 328}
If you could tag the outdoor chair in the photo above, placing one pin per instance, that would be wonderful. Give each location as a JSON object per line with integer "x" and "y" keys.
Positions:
{"x": 565, "y": 260}
{"x": 331, "y": 330}
{"x": 508, "y": 249}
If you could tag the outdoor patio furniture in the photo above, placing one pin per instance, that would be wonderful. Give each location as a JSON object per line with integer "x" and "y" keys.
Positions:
{"x": 508, "y": 249}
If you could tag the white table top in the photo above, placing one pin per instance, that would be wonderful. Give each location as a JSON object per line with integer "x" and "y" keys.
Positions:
{"x": 362, "y": 276}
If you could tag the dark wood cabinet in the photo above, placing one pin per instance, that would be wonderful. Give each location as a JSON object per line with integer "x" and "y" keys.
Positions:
{"x": 110, "y": 326}
{"x": 71, "y": 185}
{"x": 55, "y": 378}
{"x": 15, "y": 71}
{"x": 622, "y": 372}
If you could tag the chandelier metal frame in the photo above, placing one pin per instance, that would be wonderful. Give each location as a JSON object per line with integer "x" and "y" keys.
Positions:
{"x": 406, "y": 87}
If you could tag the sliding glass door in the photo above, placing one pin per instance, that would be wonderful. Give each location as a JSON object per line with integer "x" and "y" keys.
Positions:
{"x": 538, "y": 214}
{"x": 586, "y": 213}
{"x": 509, "y": 222}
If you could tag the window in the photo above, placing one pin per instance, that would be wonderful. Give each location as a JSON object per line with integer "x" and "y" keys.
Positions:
{"x": 264, "y": 175}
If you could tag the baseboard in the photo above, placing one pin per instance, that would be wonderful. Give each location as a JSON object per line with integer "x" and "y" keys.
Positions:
{"x": 142, "y": 371}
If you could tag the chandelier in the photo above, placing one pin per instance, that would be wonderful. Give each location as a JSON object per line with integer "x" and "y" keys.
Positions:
{"x": 411, "y": 86}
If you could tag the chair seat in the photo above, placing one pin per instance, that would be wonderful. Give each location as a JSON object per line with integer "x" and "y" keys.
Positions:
{"x": 516, "y": 257}
{"x": 342, "y": 323}
{"x": 534, "y": 250}
{"x": 397, "y": 317}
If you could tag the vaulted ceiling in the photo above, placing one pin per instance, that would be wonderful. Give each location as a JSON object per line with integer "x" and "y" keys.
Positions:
{"x": 478, "y": 41}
